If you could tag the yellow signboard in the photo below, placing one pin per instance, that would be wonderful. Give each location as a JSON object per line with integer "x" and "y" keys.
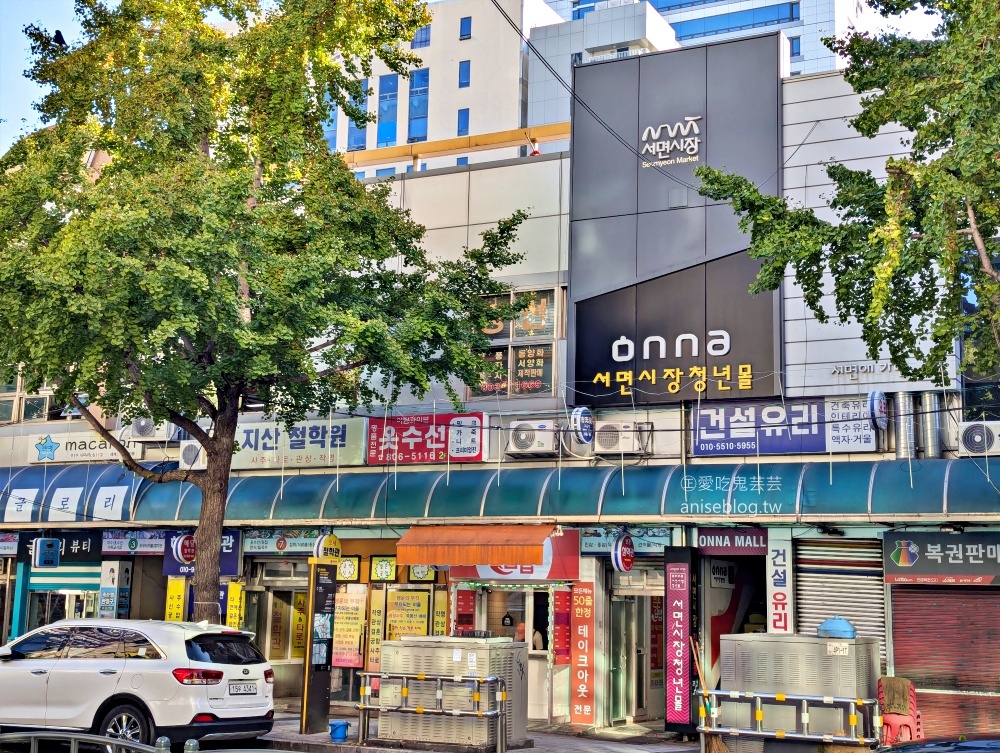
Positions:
{"x": 299, "y": 626}
{"x": 176, "y": 598}
{"x": 440, "y": 610}
{"x": 406, "y": 613}
{"x": 234, "y": 605}
{"x": 376, "y": 626}
{"x": 326, "y": 551}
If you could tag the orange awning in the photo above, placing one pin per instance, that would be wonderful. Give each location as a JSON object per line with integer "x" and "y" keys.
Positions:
{"x": 473, "y": 545}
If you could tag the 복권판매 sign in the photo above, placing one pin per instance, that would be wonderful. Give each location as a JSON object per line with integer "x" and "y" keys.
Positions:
{"x": 934, "y": 558}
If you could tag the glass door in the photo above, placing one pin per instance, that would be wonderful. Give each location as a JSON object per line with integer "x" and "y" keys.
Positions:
{"x": 621, "y": 658}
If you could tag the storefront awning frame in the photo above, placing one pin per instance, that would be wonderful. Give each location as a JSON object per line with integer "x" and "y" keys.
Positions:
{"x": 472, "y": 545}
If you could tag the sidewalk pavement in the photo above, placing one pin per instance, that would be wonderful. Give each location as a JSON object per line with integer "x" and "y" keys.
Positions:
{"x": 555, "y": 738}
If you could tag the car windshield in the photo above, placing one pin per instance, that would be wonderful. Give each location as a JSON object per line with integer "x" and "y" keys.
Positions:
{"x": 223, "y": 649}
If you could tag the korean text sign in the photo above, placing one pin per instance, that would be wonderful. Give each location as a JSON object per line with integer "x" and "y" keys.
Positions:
{"x": 780, "y": 595}
{"x": 677, "y": 626}
{"x": 582, "y": 701}
{"x": 934, "y": 558}
{"x": 426, "y": 438}
{"x": 774, "y": 428}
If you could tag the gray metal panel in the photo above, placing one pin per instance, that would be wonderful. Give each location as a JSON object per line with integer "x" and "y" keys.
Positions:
{"x": 670, "y": 240}
{"x": 742, "y": 125}
{"x": 722, "y": 232}
{"x": 603, "y": 255}
{"x": 604, "y": 169}
{"x": 672, "y": 88}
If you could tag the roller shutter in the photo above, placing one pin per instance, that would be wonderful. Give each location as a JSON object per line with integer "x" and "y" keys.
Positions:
{"x": 840, "y": 578}
{"x": 646, "y": 578}
{"x": 947, "y": 642}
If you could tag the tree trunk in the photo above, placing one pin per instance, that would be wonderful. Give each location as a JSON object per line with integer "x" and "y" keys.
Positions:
{"x": 208, "y": 535}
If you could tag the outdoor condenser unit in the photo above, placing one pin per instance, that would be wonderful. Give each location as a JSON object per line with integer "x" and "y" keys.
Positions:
{"x": 451, "y": 656}
{"x": 796, "y": 664}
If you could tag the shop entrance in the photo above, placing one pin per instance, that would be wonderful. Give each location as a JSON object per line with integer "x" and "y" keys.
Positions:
{"x": 733, "y": 600}
{"x": 627, "y": 660}
{"x": 45, "y": 607}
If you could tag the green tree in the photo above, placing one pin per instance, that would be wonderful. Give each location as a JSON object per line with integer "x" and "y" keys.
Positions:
{"x": 907, "y": 249}
{"x": 223, "y": 254}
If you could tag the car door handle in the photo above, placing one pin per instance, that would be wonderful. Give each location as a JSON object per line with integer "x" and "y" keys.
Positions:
{"x": 109, "y": 671}
{"x": 39, "y": 671}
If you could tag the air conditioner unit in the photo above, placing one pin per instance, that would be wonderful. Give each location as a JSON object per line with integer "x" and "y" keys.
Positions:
{"x": 145, "y": 430}
{"x": 192, "y": 456}
{"x": 533, "y": 439}
{"x": 619, "y": 438}
{"x": 979, "y": 438}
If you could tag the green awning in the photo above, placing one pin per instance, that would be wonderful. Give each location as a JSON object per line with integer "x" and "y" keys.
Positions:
{"x": 302, "y": 497}
{"x": 516, "y": 492}
{"x": 973, "y": 487}
{"x": 903, "y": 489}
{"x": 643, "y": 493}
{"x": 836, "y": 489}
{"x": 460, "y": 494}
{"x": 352, "y": 496}
{"x": 575, "y": 492}
{"x": 406, "y": 495}
{"x": 765, "y": 490}
{"x": 252, "y": 498}
{"x": 699, "y": 490}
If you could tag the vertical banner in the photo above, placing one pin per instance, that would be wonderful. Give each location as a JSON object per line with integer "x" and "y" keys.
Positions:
{"x": 124, "y": 590}
{"x": 299, "y": 608}
{"x": 561, "y": 628}
{"x": 582, "y": 705}
{"x": 234, "y": 605}
{"x": 465, "y": 610}
{"x": 319, "y": 622}
{"x": 349, "y": 629}
{"x": 656, "y": 642}
{"x": 107, "y": 607}
{"x": 677, "y": 629}
{"x": 176, "y": 601}
{"x": 440, "y": 626}
{"x": 780, "y": 595}
{"x": 376, "y": 629}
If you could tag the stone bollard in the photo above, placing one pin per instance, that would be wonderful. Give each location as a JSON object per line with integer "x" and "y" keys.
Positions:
{"x": 162, "y": 744}
{"x": 191, "y": 746}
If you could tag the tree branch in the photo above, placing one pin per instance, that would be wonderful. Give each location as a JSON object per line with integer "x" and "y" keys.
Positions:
{"x": 128, "y": 461}
{"x": 977, "y": 237}
{"x": 191, "y": 427}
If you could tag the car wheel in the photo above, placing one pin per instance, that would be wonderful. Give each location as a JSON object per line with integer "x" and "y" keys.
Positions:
{"x": 126, "y": 722}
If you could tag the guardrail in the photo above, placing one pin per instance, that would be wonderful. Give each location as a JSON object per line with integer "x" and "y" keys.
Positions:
{"x": 864, "y": 726}
{"x": 75, "y": 739}
{"x": 498, "y": 714}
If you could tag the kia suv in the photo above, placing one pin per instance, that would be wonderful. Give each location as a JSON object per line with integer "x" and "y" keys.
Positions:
{"x": 137, "y": 680}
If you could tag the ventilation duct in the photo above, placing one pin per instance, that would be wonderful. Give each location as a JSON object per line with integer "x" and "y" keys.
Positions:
{"x": 903, "y": 423}
{"x": 930, "y": 424}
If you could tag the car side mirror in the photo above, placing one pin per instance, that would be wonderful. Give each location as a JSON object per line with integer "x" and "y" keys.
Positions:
{"x": 5, "y": 653}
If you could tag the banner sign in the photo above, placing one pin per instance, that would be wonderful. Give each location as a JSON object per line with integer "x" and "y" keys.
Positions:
{"x": 427, "y": 438}
{"x": 656, "y": 642}
{"x": 561, "y": 639}
{"x": 179, "y": 553}
{"x": 349, "y": 629}
{"x": 780, "y": 428}
{"x": 677, "y": 625}
{"x": 74, "y": 546}
{"x": 319, "y": 442}
{"x": 77, "y": 447}
{"x": 646, "y": 540}
{"x": 8, "y": 544}
{"x": 780, "y": 594}
{"x": 406, "y": 613}
{"x": 280, "y": 541}
{"x": 583, "y": 704}
{"x": 935, "y": 558}
{"x": 133, "y": 543}
{"x": 732, "y": 541}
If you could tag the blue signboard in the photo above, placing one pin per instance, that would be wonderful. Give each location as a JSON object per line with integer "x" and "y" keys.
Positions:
{"x": 783, "y": 427}
{"x": 175, "y": 563}
{"x": 45, "y": 553}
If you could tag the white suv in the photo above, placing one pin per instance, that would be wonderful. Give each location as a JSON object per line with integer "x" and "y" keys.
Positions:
{"x": 137, "y": 680}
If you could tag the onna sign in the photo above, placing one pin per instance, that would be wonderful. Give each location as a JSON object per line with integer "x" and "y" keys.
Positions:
{"x": 623, "y": 553}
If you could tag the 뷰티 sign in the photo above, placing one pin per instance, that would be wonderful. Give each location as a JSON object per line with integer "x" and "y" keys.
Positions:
{"x": 934, "y": 558}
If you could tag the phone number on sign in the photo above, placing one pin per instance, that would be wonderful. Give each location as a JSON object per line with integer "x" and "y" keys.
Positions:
{"x": 707, "y": 446}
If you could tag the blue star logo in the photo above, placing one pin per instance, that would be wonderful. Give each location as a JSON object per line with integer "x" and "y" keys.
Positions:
{"x": 47, "y": 449}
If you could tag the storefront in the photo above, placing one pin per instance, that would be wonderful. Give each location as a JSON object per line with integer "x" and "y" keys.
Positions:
{"x": 137, "y": 586}
{"x": 530, "y": 599}
{"x": 945, "y": 615}
{"x": 8, "y": 578}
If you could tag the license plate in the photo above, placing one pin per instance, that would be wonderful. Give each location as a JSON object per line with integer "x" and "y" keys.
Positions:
{"x": 242, "y": 688}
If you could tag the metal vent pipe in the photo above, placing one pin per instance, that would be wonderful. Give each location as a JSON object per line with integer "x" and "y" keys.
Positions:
{"x": 930, "y": 424}
{"x": 903, "y": 423}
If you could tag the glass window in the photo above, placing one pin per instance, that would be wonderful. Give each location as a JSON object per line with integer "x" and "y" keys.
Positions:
{"x": 35, "y": 408}
{"x": 360, "y": 174}
{"x": 45, "y": 644}
{"x": 582, "y": 8}
{"x": 463, "y": 122}
{"x": 576, "y": 58}
{"x": 465, "y": 28}
{"x": 385, "y": 172}
{"x": 95, "y": 643}
{"x": 462, "y": 161}
{"x": 388, "y": 90}
{"x": 422, "y": 38}
{"x": 464, "y": 74}
{"x": 357, "y": 133}
{"x": 754, "y": 18}
{"x": 6, "y": 411}
{"x": 795, "y": 46}
{"x": 223, "y": 649}
{"x": 10, "y": 387}
{"x": 539, "y": 620}
{"x": 330, "y": 129}
{"x": 419, "y": 89}
{"x": 538, "y": 319}
{"x": 138, "y": 646}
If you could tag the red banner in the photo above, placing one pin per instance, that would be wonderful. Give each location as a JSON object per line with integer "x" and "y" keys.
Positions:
{"x": 426, "y": 438}
{"x": 465, "y": 610}
{"x": 656, "y": 641}
{"x": 561, "y": 628}
{"x": 582, "y": 705}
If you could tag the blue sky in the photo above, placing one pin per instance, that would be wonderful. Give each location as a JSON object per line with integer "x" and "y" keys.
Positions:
{"x": 17, "y": 94}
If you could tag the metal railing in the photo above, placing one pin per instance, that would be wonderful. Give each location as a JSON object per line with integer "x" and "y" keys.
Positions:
{"x": 76, "y": 739}
{"x": 493, "y": 683}
{"x": 864, "y": 721}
